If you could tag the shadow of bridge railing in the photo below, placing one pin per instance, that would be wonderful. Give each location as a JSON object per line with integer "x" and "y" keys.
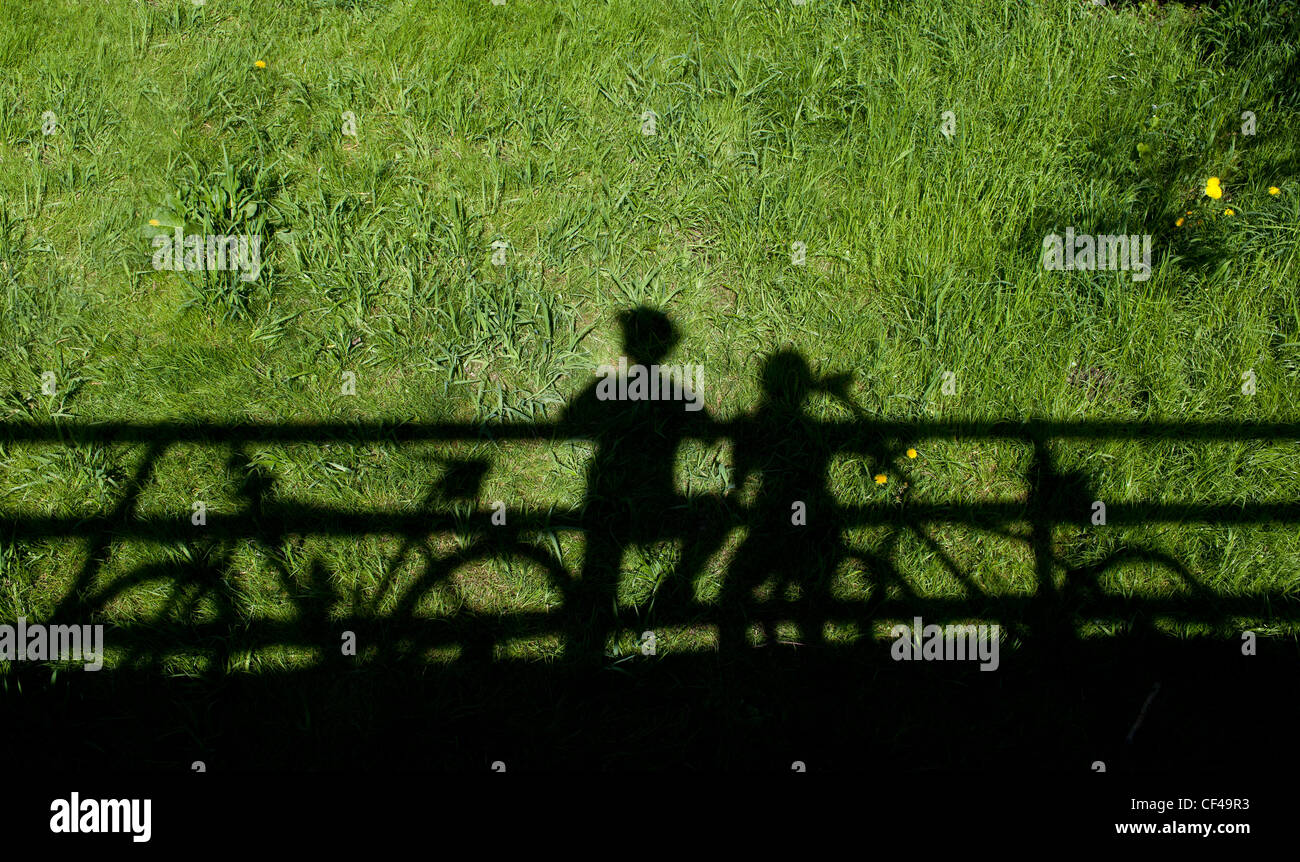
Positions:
{"x": 270, "y": 520}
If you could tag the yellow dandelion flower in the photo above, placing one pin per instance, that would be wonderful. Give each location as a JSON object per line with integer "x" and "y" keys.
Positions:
{"x": 911, "y": 453}
{"x": 881, "y": 478}
{"x": 1274, "y": 190}
{"x": 1179, "y": 223}
{"x": 261, "y": 64}
{"x": 153, "y": 222}
{"x": 1213, "y": 189}
{"x": 1229, "y": 211}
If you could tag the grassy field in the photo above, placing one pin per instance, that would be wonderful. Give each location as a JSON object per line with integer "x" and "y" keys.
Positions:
{"x": 522, "y": 174}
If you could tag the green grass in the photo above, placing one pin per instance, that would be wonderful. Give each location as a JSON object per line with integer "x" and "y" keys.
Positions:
{"x": 521, "y": 123}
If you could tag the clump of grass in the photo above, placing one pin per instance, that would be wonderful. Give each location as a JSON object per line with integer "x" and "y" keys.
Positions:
{"x": 233, "y": 199}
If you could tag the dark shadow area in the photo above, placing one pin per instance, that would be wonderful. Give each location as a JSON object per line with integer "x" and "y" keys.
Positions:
{"x": 776, "y": 689}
